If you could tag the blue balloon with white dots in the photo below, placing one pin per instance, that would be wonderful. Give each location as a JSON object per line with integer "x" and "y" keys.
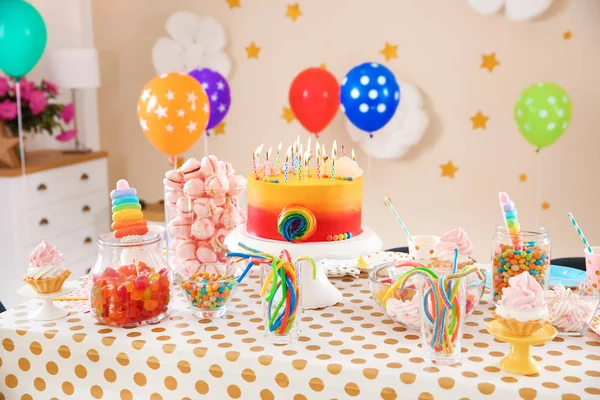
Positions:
{"x": 369, "y": 96}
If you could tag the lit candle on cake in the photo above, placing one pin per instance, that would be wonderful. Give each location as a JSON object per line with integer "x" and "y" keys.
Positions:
{"x": 333, "y": 157}
{"x": 307, "y": 157}
{"x": 268, "y": 162}
{"x": 299, "y": 163}
{"x": 353, "y": 155}
{"x": 318, "y": 151}
{"x": 277, "y": 161}
{"x": 255, "y": 160}
{"x": 286, "y": 166}
{"x": 295, "y": 157}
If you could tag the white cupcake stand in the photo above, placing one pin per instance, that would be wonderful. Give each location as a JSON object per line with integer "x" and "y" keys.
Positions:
{"x": 319, "y": 292}
{"x": 48, "y": 311}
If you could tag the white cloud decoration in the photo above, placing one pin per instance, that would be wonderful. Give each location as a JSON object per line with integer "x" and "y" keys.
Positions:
{"x": 403, "y": 131}
{"x": 515, "y": 10}
{"x": 194, "y": 42}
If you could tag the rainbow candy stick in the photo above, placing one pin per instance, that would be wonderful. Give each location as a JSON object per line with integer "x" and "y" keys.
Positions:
{"x": 509, "y": 212}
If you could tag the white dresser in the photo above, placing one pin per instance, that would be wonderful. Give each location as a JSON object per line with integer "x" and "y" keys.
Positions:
{"x": 64, "y": 200}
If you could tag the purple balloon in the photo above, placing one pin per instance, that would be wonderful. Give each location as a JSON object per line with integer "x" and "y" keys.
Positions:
{"x": 219, "y": 95}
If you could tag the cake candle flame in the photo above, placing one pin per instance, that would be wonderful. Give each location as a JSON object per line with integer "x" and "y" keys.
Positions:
{"x": 268, "y": 154}
{"x": 334, "y": 150}
{"x": 353, "y": 155}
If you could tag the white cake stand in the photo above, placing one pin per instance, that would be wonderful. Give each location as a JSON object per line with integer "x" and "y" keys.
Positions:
{"x": 319, "y": 292}
{"x": 48, "y": 311}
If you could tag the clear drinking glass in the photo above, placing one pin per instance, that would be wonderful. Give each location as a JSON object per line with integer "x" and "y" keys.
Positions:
{"x": 282, "y": 308}
{"x": 510, "y": 258}
{"x": 442, "y": 324}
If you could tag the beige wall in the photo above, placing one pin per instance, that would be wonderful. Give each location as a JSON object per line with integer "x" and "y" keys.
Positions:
{"x": 440, "y": 44}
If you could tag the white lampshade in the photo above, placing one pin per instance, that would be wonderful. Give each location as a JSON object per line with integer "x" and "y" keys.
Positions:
{"x": 73, "y": 68}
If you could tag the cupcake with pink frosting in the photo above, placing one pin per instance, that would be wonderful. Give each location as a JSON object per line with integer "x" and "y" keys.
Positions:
{"x": 522, "y": 310}
{"x": 47, "y": 272}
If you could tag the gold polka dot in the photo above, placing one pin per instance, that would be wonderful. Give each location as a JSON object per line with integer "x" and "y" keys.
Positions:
{"x": 550, "y": 385}
{"x": 138, "y": 344}
{"x": 64, "y": 352}
{"x": 416, "y": 360}
{"x": 216, "y": 370}
{"x": 403, "y": 350}
{"x": 426, "y": 395}
{"x": 266, "y": 394}
{"x": 8, "y": 344}
{"x": 108, "y": 340}
{"x": 469, "y": 374}
{"x": 408, "y": 377}
{"x": 153, "y": 362}
{"x": 93, "y": 355}
{"x": 358, "y": 361}
{"x": 594, "y": 391}
{"x": 170, "y": 383}
{"x": 446, "y": 383}
{"x": 232, "y": 356}
{"x": 134, "y": 334}
{"x": 201, "y": 387}
{"x": 265, "y": 360}
{"x": 79, "y": 337}
{"x": 570, "y": 396}
{"x": 169, "y": 348}
{"x": 431, "y": 369}
{"x": 299, "y": 364}
{"x": 316, "y": 384}
{"x": 496, "y": 354}
{"x": 184, "y": 367}
{"x": 24, "y": 364}
{"x": 39, "y": 384}
{"x": 486, "y": 388}
{"x": 528, "y": 393}
{"x": 555, "y": 353}
{"x": 573, "y": 363}
{"x": 388, "y": 393}
{"x": 509, "y": 379}
{"x": 123, "y": 359}
{"x": 572, "y": 379}
{"x": 156, "y": 396}
{"x": 492, "y": 369}
{"x": 68, "y": 388}
{"x": 248, "y": 375}
{"x": 52, "y": 368}
{"x": 234, "y": 391}
{"x": 96, "y": 392}
{"x": 139, "y": 379}
{"x": 26, "y": 396}
{"x": 110, "y": 375}
{"x": 11, "y": 381}
{"x": 300, "y": 396}
{"x": 370, "y": 373}
{"x": 80, "y": 371}
{"x": 49, "y": 334}
{"x": 200, "y": 351}
{"x": 126, "y": 395}
{"x": 35, "y": 348}
{"x": 282, "y": 380}
{"x": 352, "y": 389}
{"x": 552, "y": 368}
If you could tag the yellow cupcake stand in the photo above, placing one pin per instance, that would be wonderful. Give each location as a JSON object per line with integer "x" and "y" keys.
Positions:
{"x": 519, "y": 359}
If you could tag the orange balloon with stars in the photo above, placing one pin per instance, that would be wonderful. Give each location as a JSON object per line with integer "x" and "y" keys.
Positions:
{"x": 173, "y": 111}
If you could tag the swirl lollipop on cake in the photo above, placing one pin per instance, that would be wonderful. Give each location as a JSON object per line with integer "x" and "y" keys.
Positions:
{"x": 296, "y": 223}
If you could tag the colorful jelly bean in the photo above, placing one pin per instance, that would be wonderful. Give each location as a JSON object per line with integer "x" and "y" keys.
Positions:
{"x": 209, "y": 292}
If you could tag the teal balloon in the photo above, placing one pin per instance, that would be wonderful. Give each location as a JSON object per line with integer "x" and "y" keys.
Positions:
{"x": 22, "y": 37}
{"x": 543, "y": 113}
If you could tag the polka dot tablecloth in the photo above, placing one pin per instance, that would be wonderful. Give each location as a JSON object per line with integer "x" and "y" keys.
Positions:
{"x": 347, "y": 351}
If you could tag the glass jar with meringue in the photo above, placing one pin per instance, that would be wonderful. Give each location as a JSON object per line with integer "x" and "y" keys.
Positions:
{"x": 572, "y": 305}
{"x": 202, "y": 206}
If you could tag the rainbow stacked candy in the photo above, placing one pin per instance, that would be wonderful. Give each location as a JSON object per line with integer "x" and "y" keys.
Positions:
{"x": 296, "y": 223}
{"x": 128, "y": 218}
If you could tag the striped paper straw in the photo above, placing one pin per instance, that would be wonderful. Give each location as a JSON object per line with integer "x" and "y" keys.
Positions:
{"x": 580, "y": 232}
{"x": 393, "y": 210}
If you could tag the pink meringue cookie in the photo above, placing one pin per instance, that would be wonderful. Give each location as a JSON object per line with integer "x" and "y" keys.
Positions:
{"x": 406, "y": 312}
{"x": 180, "y": 227}
{"x": 217, "y": 185}
{"x": 210, "y": 166}
{"x": 194, "y": 188}
{"x": 173, "y": 179}
{"x": 45, "y": 254}
{"x": 184, "y": 207}
{"x": 186, "y": 250}
{"x": 218, "y": 240}
{"x": 203, "y": 228}
{"x": 206, "y": 208}
{"x": 237, "y": 183}
{"x": 190, "y": 169}
{"x": 523, "y": 293}
{"x": 455, "y": 239}
{"x": 172, "y": 196}
{"x": 205, "y": 253}
{"x": 220, "y": 200}
{"x": 228, "y": 168}
{"x": 231, "y": 217}
{"x": 191, "y": 266}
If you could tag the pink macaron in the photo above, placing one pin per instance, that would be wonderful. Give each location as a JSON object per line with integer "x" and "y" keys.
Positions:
{"x": 217, "y": 185}
{"x": 180, "y": 227}
{"x": 173, "y": 179}
{"x": 203, "y": 228}
{"x": 218, "y": 240}
{"x": 186, "y": 250}
{"x": 194, "y": 188}
{"x": 184, "y": 207}
{"x": 209, "y": 166}
{"x": 237, "y": 184}
{"x": 190, "y": 169}
{"x": 205, "y": 254}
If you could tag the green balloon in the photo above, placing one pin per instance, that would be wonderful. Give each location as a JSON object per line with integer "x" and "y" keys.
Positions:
{"x": 543, "y": 113}
{"x": 22, "y": 37}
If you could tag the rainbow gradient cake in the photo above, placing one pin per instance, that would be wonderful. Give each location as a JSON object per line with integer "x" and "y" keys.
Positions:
{"x": 292, "y": 201}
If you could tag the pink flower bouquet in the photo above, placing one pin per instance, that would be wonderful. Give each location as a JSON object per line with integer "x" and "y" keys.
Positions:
{"x": 40, "y": 113}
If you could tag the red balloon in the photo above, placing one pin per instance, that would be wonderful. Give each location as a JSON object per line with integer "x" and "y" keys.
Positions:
{"x": 315, "y": 98}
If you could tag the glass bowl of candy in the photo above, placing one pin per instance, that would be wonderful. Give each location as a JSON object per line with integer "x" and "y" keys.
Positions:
{"x": 572, "y": 304}
{"x": 131, "y": 282}
{"x": 403, "y": 307}
{"x": 209, "y": 292}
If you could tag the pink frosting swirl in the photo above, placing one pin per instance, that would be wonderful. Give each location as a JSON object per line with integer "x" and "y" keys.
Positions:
{"x": 456, "y": 238}
{"x": 45, "y": 254}
{"x": 523, "y": 293}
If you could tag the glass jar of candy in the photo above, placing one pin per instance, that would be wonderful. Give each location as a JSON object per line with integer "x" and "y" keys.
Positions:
{"x": 527, "y": 252}
{"x": 131, "y": 282}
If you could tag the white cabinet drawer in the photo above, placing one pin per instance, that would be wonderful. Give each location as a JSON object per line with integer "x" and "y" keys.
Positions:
{"x": 61, "y": 183}
{"x": 65, "y": 216}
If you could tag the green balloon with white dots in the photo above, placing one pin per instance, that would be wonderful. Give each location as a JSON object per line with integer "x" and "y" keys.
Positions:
{"x": 543, "y": 113}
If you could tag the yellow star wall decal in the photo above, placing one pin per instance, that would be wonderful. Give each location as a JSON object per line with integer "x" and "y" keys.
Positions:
{"x": 252, "y": 51}
{"x": 288, "y": 115}
{"x": 523, "y": 177}
{"x": 389, "y": 51}
{"x": 567, "y": 35}
{"x": 219, "y": 129}
{"x": 233, "y": 4}
{"x": 545, "y": 206}
{"x": 293, "y": 11}
{"x": 489, "y": 61}
{"x": 323, "y": 66}
{"x": 479, "y": 120}
{"x": 448, "y": 169}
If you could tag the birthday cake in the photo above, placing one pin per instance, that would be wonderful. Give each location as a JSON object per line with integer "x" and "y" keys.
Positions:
{"x": 295, "y": 201}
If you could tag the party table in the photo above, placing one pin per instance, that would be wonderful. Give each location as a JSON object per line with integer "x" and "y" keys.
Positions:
{"x": 346, "y": 351}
